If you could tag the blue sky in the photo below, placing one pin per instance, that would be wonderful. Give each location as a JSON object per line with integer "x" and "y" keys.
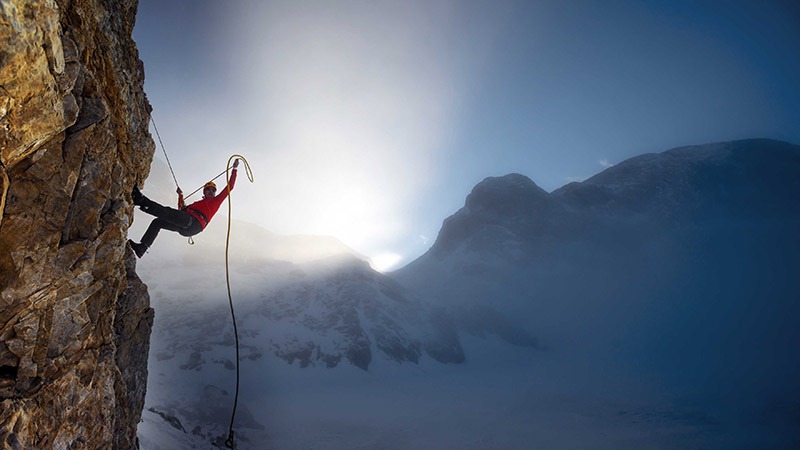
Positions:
{"x": 372, "y": 120}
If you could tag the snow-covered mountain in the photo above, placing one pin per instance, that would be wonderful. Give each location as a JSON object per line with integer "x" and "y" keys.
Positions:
{"x": 680, "y": 267}
{"x": 636, "y": 309}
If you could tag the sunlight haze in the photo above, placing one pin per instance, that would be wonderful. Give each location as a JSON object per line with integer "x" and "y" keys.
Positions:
{"x": 371, "y": 121}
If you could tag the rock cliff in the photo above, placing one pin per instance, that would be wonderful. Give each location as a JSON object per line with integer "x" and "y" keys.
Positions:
{"x": 74, "y": 318}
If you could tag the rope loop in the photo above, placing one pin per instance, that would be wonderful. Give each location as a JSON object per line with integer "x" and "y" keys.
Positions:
{"x": 225, "y": 172}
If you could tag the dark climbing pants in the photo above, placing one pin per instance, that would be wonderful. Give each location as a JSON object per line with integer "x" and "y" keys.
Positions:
{"x": 168, "y": 219}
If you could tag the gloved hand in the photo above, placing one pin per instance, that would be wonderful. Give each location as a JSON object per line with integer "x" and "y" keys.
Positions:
{"x": 179, "y": 191}
{"x": 236, "y": 163}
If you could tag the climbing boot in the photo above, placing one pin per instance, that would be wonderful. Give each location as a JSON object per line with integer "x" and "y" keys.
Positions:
{"x": 139, "y": 249}
{"x": 137, "y": 196}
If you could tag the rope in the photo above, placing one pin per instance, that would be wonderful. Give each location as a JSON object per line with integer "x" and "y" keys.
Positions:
{"x": 230, "y": 442}
{"x": 201, "y": 187}
{"x": 165, "y": 152}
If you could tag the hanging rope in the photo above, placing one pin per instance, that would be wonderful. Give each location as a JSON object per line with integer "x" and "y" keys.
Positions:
{"x": 230, "y": 441}
{"x": 165, "y": 151}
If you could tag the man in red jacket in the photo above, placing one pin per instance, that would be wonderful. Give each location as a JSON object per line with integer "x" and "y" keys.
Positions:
{"x": 187, "y": 220}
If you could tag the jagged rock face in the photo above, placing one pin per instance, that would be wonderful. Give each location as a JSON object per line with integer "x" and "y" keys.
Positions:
{"x": 74, "y": 321}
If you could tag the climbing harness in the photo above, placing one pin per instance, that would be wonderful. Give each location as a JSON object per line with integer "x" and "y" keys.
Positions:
{"x": 230, "y": 442}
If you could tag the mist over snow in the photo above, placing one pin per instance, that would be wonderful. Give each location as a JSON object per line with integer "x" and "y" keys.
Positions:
{"x": 653, "y": 305}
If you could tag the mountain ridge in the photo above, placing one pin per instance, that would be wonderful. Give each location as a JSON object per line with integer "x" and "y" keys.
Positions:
{"x": 677, "y": 181}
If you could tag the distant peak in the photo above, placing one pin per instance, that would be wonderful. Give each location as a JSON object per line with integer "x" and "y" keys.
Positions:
{"x": 494, "y": 192}
{"x": 511, "y": 180}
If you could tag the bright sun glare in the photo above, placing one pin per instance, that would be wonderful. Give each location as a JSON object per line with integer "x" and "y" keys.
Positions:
{"x": 385, "y": 261}
{"x": 355, "y": 115}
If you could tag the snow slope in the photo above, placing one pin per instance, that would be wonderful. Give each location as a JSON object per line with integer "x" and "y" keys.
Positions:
{"x": 651, "y": 306}
{"x": 292, "y": 317}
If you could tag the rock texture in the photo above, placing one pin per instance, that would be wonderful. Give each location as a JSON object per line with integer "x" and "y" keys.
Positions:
{"x": 74, "y": 317}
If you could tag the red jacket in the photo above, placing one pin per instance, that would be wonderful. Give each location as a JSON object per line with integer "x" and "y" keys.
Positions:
{"x": 203, "y": 210}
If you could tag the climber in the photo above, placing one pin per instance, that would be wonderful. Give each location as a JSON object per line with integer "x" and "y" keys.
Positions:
{"x": 187, "y": 220}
